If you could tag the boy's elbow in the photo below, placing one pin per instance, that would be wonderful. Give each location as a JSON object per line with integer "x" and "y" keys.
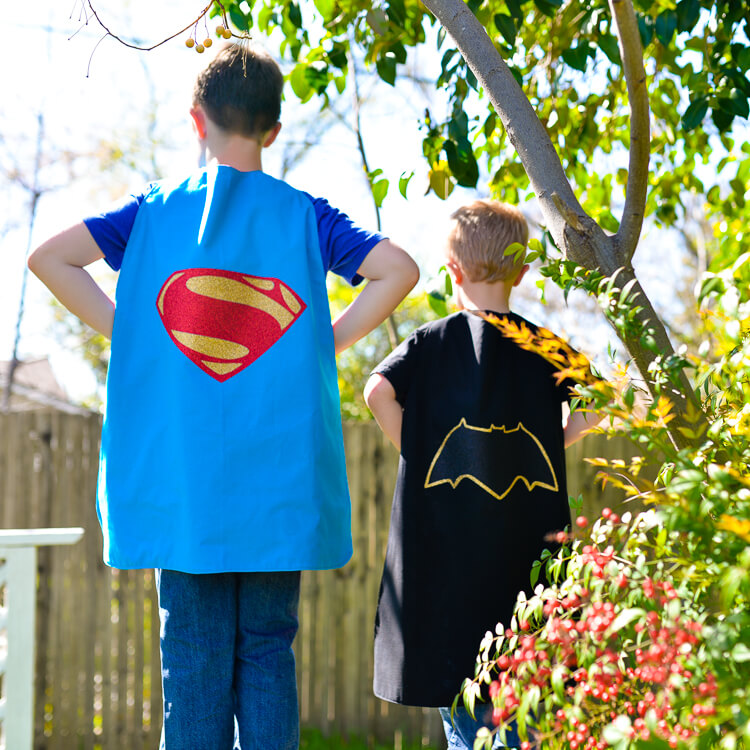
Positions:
{"x": 36, "y": 261}
{"x": 411, "y": 272}
{"x": 377, "y": 390}
{"x": 370, "y": 388}
{"x": 405, "y": 270}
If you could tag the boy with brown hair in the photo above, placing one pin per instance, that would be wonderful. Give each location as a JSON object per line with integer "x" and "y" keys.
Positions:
{"x": 222, "y": 461}
{"x": 481, "y": 479}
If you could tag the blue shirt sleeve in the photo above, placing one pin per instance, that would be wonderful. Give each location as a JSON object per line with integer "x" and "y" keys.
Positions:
{"x": 112, "y": 228}
{"x": 343, "y": 245}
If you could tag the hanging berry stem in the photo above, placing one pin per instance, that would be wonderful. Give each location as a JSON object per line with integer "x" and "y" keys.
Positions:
{"x": 225, "y": 32}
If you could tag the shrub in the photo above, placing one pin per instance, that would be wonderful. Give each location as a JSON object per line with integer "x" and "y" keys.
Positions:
{"x": 641, "y": 637}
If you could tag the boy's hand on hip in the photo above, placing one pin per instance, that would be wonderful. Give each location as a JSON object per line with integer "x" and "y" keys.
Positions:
{"x": 391, "y": 275}
{"x": 59, "y": 263}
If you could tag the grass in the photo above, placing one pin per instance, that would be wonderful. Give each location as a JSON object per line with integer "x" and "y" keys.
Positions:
{"x": 313, "y": 739}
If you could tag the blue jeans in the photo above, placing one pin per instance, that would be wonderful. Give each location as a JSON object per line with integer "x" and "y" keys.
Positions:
{"x": 461, "y": 730}
{"x": 228, "y": 673}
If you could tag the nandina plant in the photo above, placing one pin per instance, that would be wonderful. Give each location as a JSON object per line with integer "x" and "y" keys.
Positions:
{"x": 640, "y": 635}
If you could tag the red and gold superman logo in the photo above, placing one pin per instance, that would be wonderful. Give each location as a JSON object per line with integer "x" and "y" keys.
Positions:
{"x": 222, "y": 320}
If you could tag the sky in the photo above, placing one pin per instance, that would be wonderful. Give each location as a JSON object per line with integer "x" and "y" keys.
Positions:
{"x": 102, "y": 105}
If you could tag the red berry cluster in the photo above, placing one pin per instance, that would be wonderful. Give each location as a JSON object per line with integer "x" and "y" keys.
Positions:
{"x": 598, "y": 559}
{"x": 651, "y": 687}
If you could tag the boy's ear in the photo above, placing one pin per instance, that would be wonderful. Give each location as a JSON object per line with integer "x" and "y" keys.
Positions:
{"x": 198, "y": 117}
{"x": 455, "y": 271}
{"x": 521, "y": 274}
{"x": 271, "y": 137}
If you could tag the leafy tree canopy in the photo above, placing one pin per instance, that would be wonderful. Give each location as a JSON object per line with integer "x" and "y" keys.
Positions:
{"x": 565, "y": 55}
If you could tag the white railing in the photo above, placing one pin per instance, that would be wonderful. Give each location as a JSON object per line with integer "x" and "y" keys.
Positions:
{"x": 18, "y": 581}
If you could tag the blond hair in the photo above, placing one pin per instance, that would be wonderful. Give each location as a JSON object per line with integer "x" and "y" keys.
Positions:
{"x": 479, "y": 236}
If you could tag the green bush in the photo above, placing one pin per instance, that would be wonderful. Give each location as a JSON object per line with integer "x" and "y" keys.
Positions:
{"x": 641, "y": 638}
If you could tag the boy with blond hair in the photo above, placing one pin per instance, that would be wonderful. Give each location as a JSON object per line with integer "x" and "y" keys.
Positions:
{"x": 481, "y": 480}
{"x": 222, "y": 461}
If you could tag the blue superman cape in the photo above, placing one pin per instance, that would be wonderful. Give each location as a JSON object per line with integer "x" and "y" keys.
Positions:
{"x": 222, "y": 447}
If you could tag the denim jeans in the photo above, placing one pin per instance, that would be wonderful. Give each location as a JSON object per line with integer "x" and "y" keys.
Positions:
{"x": 228, "y": 673}
{"x": 461, "y": 730}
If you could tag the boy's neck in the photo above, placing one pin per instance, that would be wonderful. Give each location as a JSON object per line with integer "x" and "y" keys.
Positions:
{"x": 243, "y": 154}
{"x": 484, "y": 296}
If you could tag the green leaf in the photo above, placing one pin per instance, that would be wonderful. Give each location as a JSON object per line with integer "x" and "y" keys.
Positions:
{"x": 461, "y": 162}
{"x": 741, "y": 652}
{"x": 721, "y": 118}
{"x": 625, "y": 618}
{"x": 514, "y": 6}
{"x": 379, "y": 191}
{"x": 536, "y": 568}
{"x": 577, "y": 57}
{"x": 440, "y": 181}
{"x": 711, "y": 285}
{"x": 666, "y": 25}
{"x": 239, "y": 19}
{"x": 325, "y": 7}
{"x": 438, "y": 304}
{"x": 386, "y": 67}
{"x": 688, "y": 12}
{"x": 299, "y": 83}
{"x": 608, "y": 45}
{"x": 516, "y": 249}
{"x": 559, "y": 673}
{"x": 617, "y": 731}
{"x": 397, "y": 12}
{"x": 317, "y": 77}
{"x": 548, "y": 7}
{"x": 646, "y": 29}
{"x": 403, "y": 182}
{"x": 295, "y": 15}
{"x": 694, "y": 114}
{"x": 506, "y": 26}
{"x": 337, "y": 56}
{"x": 737, "y": 103}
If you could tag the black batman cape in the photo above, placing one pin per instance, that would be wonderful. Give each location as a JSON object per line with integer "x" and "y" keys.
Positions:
{"x": 481, "y": 482}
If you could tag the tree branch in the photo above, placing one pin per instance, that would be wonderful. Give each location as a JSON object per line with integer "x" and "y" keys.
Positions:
{"x": 631, "y": 53}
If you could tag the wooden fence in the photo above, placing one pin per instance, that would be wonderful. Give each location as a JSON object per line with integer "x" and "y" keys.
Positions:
{"x": 97, "y": 671}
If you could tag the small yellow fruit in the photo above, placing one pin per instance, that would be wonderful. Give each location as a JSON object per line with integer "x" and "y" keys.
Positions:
{"x": 220, "y": 30}
{"x": 199, "y": 48}
{"x": 189, "y": 42}
{"x": 227, "y": 34}
{"x": 207, "y": 42}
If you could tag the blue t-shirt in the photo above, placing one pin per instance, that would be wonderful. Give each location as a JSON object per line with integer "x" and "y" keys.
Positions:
{"x": 222, "y": 448}
{"x": 343, "y": 245}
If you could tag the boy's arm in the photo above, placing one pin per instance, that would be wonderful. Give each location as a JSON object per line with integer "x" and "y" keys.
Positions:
{"x": 391, "y": 275}
{"x": 578, "y": 424}
{"x": 59, "y": 263}
{"x": 381, "y": 398}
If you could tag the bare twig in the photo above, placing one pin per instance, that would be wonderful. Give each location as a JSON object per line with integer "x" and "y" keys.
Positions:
{"x": 390, "y": 322}
{"x": 88, "y": 4}
{"x": 35, "y": 192}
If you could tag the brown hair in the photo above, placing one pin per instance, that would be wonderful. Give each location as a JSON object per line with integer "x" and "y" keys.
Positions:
{"x": 481, "y": 233}
{"x": 240, "y": 90}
